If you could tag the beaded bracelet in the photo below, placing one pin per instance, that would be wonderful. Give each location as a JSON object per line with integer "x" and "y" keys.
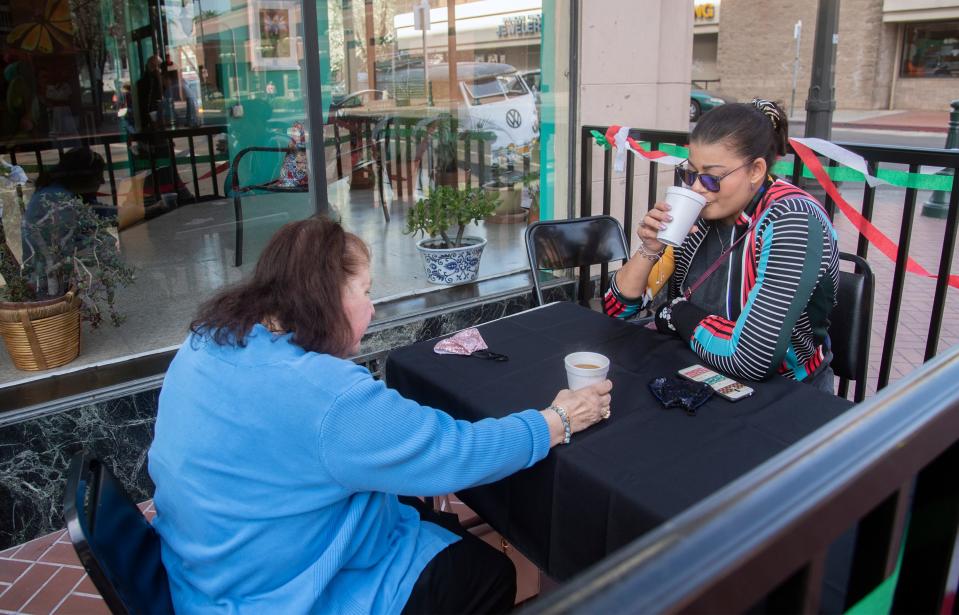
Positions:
{"x": 565, "y": 418}
{"x": 648, "y": 255}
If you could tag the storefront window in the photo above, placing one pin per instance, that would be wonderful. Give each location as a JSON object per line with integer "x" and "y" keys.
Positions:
{"x": 197, "y": 113}
{"x": 415, "y": 104}
{"x": 931, "y": 50}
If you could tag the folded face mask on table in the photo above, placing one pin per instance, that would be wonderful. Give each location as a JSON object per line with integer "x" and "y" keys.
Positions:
{"x": 673, "y": 392}
{"x": 468, "y": 343}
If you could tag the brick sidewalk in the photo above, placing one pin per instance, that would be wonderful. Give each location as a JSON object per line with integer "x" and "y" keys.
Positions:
{"x": 905, "y": 121}
{"x": 918, "y": 292}
{"x": 44, "y": 577}
{"x": 917, "y": 121}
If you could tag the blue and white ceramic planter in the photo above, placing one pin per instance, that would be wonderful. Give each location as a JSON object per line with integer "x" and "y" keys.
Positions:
{"x": 451, "y": 265}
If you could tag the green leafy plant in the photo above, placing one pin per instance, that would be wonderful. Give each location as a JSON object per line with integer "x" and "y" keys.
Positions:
{"x": 447, "y": 207}
{"x": 68, "y": 247}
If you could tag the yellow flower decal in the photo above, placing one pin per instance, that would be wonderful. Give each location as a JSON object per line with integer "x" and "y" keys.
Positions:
{"x": 53, "y": 25}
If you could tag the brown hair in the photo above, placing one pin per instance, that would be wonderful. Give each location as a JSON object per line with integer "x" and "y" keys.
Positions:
{"x": 298, "y": 283}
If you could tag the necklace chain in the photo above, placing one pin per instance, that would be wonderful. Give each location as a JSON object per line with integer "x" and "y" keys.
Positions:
{"x": 720, "y": 237}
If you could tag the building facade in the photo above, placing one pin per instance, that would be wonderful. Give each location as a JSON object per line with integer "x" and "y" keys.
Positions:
{"x": 891, "y": 54}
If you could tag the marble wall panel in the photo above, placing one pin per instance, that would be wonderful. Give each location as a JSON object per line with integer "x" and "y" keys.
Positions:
{"x": 35, "y": 455}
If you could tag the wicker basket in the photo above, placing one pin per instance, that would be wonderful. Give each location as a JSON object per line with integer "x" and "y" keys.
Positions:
{"x": 41, "y": 334}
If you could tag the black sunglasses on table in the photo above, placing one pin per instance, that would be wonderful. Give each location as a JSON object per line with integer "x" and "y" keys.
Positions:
{"x": 709, "y": 182}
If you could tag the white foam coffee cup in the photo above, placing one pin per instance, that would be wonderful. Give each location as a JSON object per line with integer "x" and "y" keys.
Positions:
{"x": 685, "y": 206}
{"x": 585, "y": 368}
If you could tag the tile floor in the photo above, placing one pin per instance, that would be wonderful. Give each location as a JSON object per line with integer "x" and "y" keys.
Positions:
{"x": 44, "y": 576}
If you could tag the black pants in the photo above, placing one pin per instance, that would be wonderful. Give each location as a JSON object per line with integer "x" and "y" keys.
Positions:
{"x": 468, "y": 576}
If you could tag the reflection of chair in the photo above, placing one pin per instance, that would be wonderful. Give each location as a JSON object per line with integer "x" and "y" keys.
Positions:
{"x": 236, "y": 190}
{"x": 117, "y": 546}
{"x": 582, "y": 242}
{"x": 851, "y": 324}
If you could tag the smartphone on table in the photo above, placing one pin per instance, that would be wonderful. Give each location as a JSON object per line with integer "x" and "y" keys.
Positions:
{"x": 725, "y": 387}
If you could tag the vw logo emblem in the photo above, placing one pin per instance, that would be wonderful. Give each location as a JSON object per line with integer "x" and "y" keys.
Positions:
{"x": 513, "y": 118}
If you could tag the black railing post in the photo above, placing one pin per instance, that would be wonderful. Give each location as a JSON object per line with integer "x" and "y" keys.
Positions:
{"x": 585, "y": 199}
{"x": 868, "y": 200}
{"x": 931, "y": 537}
{"x": 628, "y": 214}
{"x": 945, "y": 266}
{"x": 938, "y": 204}
{"x": 586, "y": 174}
{"x": 898, "y": 283}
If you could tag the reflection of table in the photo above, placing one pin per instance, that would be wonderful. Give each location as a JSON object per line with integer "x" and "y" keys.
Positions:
{"x": 622, "y": 478}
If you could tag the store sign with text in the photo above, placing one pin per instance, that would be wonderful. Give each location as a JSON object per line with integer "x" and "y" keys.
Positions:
{"x": 521, "y": 25}
{"x": 706, "y": 12}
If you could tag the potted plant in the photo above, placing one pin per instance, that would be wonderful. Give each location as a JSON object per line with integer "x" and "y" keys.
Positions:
{"x": 70, "y": 271}
{"x": 505, "y": 178}
{"x": 450, "y": 259}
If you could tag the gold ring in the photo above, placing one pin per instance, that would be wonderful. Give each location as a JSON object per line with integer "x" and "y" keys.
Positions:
{"x": 606, "y": 412}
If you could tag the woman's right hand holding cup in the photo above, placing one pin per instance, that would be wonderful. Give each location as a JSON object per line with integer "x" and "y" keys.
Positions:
{"x": 584, "y": 408}
{"x": 655, "y": 220}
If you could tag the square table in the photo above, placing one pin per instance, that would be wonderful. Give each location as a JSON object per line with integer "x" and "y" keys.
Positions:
{"x": 622, "y": 477}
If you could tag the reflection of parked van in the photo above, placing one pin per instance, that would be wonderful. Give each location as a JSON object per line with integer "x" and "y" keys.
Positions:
{"x": 491, "y": 97}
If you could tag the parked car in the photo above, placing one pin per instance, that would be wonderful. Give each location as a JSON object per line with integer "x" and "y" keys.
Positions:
{"x": 534, "y": 79}
{"x": 701, "y": 101}
{"x": 490, "y": 97}
{"x": 357, "y": 100}
{"x": 495, "y": 98}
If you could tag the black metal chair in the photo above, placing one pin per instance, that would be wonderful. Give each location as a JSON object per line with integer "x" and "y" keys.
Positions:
{"x": 850, "y": 325}
{"x": 579, "y": 242}
{"x": 117, "y": 546}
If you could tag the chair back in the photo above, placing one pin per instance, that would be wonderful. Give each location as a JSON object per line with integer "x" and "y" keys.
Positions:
{"x": 579, "y": 242}
{"x": 115, "y": 543}
{"x": 850, "y": 325}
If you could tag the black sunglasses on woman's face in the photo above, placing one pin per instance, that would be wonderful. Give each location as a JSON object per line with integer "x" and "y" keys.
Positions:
{"x": 709, "y": 182}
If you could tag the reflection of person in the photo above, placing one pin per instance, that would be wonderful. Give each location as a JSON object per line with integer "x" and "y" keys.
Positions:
{"x": 78, "y": 174}
{"x": 765, "y": 307}
{"x": 153, "y": 112}
{"x": 23, "y": 110}
{"x": 56, "y": 94}
{"x": 150, "y": 96}
{"x": 271, "y": 446}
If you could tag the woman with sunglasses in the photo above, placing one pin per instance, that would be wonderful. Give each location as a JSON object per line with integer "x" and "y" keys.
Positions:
{"x": 752, "y": 285}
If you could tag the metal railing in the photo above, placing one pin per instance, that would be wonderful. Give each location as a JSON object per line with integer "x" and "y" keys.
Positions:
{"x": 400, "y": 146}
{"x": 886, "y": 463}
{"x": 153, "y": 151}
{"x": 875, "y": 155}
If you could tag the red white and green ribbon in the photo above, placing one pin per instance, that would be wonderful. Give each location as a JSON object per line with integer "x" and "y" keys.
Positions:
{"x": 865, "y": 227}
{"x": 853, "y": 168}
{"x": 670, "y": 154}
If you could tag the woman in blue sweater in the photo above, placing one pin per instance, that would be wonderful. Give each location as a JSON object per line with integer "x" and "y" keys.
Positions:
{"x": 278, "y": 462}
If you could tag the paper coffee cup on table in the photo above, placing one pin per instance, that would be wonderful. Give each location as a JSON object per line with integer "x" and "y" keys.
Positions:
{"x": 685, "y": 208}
{"x": 585, "y": 368}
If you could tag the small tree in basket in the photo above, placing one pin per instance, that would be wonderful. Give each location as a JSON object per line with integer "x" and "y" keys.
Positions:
{"x": 447, "y": 207}
{"x": 68, "y": 247}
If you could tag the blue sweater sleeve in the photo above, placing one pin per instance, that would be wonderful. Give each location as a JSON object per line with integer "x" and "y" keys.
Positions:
{"x": 374, "y": 439}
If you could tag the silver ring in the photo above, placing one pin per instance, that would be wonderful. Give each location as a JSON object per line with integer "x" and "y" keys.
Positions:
{"x": 606, "y": 413}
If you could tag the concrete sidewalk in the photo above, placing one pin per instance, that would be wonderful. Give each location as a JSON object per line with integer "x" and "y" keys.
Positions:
{"x": 908, "y": 121}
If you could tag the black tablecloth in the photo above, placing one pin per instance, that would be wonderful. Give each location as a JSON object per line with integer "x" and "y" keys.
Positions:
{"x": 620, "y": 478}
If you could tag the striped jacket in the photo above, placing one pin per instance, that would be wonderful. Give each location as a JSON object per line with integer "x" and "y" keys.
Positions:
{"x": 781, "y": 289}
